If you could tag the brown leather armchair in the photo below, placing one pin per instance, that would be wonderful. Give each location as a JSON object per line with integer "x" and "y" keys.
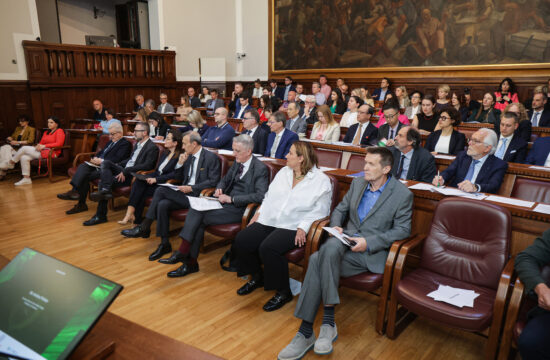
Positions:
{"x": 467, "y": 247}
{"x": 81, "y": 157}
{"x": 50, "y": 162}
{"x": 516, "y": 316}
{"x": 531, "y": 190}
{"x": 329, "y": 158}
{"x": 356, "y": 162}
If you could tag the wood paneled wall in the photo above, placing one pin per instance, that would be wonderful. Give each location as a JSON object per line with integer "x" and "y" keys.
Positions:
{"x": 15, "y": 100}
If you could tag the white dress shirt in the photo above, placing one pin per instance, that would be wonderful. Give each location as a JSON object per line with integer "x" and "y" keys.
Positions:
{"x": 164, "y": 163}
{"x": 257, "y": 92}
{"x": 443, "y": 144}
{"x": 349, "y": 118}
{"x": 292, "y": 208}
{"x": 547, "y": 162}
{"x": 132, "y": 161}
{"x": 195, "y": 166}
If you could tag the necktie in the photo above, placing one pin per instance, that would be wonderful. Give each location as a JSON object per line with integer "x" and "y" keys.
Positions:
{"x": 391, "y": 134}
{"x": 235, "y": 179}
{"x": 247, "y": 132}
{"x": 106, "y": 150}
{"x": 536, "y": 119}
{"x": 275, "y": 145}
{"x": 191, "y": 167}
{"x": 357, "y": 137}
{"x": 500, "y": 151}
{"x": 471, "y": 170}
{"x": 400, "y": 167}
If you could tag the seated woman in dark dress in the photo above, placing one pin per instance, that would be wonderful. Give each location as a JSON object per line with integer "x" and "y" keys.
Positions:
{"x": 487, "y": 112}
{"x": 447, "y": 140}
{"x": 158, "y": 128}
{"x": 426, "y": 121}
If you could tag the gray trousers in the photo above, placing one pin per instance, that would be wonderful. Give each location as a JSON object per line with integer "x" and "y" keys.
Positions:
{"x": 325, "y": 267}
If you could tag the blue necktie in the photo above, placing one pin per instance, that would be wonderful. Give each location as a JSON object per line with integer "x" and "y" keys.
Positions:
{"x": 470, "y": 173}
{"x": 500, "y": 151}
{"x": 536, "y": 119}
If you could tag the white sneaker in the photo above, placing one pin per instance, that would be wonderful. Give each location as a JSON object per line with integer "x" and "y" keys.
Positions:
{"x": 297, "y": 348}
{"x": 327, "y": 335}
{"x": 24, "y": 181}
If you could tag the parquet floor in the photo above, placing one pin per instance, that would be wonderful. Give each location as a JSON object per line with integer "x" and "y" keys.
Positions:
{"x": 201, "y": 309}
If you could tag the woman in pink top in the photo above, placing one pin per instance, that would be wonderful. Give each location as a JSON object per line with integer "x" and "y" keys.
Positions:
{"x": 506, "y": 94}
{"x": 326, "y": 129}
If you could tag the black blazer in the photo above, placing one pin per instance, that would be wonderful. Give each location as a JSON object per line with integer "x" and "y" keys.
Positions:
{"x": 421, "y": 168}
{"x": 280, "y": 92}
{"x": 195, "y": 102}
{"x": 260, "y": 140}
{"x": 384, "y": 130}
{"x": 523, "y": 131}
{"x": 312, "y": 118}
{"x": 544, "y": 120}
{"x": 517, "y": 150}
{"x": 146, "y": 160}
{"x": 169, "y": 170}
{"x": 456, "y": 144}
{"x": 258, "y": 183}
{"x": 161, "y": 130}
{"x": 208, "y": 172}
{"x": 120, "y": 151}
{"x": 370, "y": 135}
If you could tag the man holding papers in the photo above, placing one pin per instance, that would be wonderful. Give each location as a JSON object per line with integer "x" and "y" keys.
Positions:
{"x": 477, "y": 169}
{"x": 246, "y": 182}
{"x": 197, "y": 169}
{"x": 375, "y": 212}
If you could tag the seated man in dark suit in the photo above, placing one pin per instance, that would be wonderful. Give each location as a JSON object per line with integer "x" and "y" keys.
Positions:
{"x": 533, "y": 341}
{"x": 410, "y": 160}
{"x": 288, "y": 88}
{"x": 540, "y": 153}
{"x": 219, "y": 136}
{"x": 511, "y": 147}
{"x": 116, "y": 150}
{"x": 362, "y": 133}
{"x": 235, "y": 104}
{"x": 310, "y": 110}
{"x": 246, "y": 182}
{"x": 277, "y": 91}
{"x": 213, "y": 103}
{"x": 197, "y": 169}
{"x": 477, "y": 169}
{"x": 295, "y": 123}
{"x": 384, "y": 90}
{"x": 538, "y": 115}
{"x": 140, "y": 103}
{"x": 245, "y": 105}
{"x": 388, "y": 131}
{"x": 143, "y": 158}
{"x": 193, "y": 100}
{"x": 164, "y": 107}
{"x": 280, "y": 139}
{"x": 375, "y": 212}
{"x": 251, "y": 124}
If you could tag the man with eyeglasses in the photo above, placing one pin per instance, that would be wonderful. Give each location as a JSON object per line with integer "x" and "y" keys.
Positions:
{"x": 295, "y": 123}
{"x": 252, "y": 128}
{"x": 280, "y": 139}
{"x": 116, "y": 150}
{"x": 310, "y": 110}
{"x": 219, "y": 136}
{"x": 164, "y": 107}
{"x": 388, "y": 131}
{"x": 363, "y": 132}
{"x": 477, "y": 169}
{"x": 143, "y": 158}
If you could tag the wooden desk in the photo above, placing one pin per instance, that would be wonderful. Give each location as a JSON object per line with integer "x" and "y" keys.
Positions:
{"x": 82, "y": 140}
{"x": 132, "y": 341}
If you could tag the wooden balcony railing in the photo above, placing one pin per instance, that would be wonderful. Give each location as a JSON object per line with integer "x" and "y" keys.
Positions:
{"x": 61, "y": 64}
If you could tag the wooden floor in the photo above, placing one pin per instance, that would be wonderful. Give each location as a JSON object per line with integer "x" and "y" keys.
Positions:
{"x": 201, "y": 309}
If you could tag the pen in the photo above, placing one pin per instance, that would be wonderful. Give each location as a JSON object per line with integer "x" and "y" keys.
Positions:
{"x": 437, "y": 178}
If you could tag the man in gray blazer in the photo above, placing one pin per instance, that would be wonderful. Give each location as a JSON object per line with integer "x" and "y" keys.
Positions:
{"x": 164, "y": 107}
{"x": 213, "y": 103}
{"x": 246, "y": 182}
{"x": 375, "y": 212}
{"x": 295, "y": 123}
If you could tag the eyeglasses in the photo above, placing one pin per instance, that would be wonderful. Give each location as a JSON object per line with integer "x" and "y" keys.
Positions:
{"x": 476, "y": 142}
{"x": 390, "y": 116}
{"x": 139, "y": 130}
{"x": 113, "y": 134}
{"x": 249, "y": 118}
{"x": 445, "y": 118}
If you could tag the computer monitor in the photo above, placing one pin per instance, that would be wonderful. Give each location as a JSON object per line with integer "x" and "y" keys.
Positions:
{"x": 48, "y": 306}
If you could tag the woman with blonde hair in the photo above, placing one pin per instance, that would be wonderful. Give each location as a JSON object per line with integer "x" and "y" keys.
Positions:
{"x": 443, "y": 100}
{"x": 196, "y": 123}
{"x": 326, "y": 129}
{"x": 402, "y": 96}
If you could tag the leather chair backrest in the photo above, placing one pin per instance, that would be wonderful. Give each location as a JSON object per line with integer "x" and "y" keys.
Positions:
{"x": 335, "y": 191}
{"x": 356, "y": 162}
{"x": 329, "y": 158}
{"x": 531, "y": 190}
{"x": 469, "y": 240}
{"x": 162, "y": 149}
{"x": 66, "y": 153}
{"x": 224, "y": 165}
{"x": 102, "y": 142}
{"x": 272, "y": 170}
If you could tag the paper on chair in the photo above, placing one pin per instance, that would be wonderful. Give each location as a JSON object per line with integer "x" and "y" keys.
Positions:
{"x": 422, "y": 186}
{"x": 202, "y": 204}
{"x": 454, "y": 296}
{"x": 540, "y": 168}
{"x": 342, "y": 237}
{"x": 225, "y": 152}
{"x": 542, "y": 208}
{"x": 511, "y": 201}
{"x": 170, "y": 186}
{"x": 458, "y": 192}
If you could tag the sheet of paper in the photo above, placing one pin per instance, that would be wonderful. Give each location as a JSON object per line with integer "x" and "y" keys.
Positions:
{"x": 263, "y": 158}
{"x": 510, "y": 201}
{"x": 448, "y": 157}
{"x": 540, "y": 168}
{"x": 403, "y": 181}
{"x": 342, "y": 237}
{"x": 542, "y": 208}
{"x": 458, "y": 192}
{"x": 90, "y": 164}
{"x": 454, "y": 296}
{"x": 324, "y": 168}
{"x": 202, "y": 204}
{"x": 225, "y": 152}
{"x": 422, "y": 186}
{"x": 170, "y": 186}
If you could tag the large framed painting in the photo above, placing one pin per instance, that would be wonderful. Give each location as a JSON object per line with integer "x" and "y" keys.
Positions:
{"x": 408, "y": 34}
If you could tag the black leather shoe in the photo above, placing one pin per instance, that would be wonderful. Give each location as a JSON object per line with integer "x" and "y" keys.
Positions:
{"x": 183, "y": 270}
{"x": 78, "y": 208}
{"x": 69, "y": 195}
{"x": 136, "y": 232}
{"x": 175, "y": 258}
{"x": 249, "y": 287}
{"x": 277, "y": 301}
{"x": 101, "y": 195}
{"x": 94, "y": 221}
{"x": 161, "y": 250}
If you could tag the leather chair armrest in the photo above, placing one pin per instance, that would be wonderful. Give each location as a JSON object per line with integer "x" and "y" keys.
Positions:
{"x": 317, "y": 236}
{"x": 514, "y": 306}
{"x": 406, "y": 248}
{"x": 248, "y": 214}
{"x": 207, "y": 192}
{"x": 145, "y": 172}
{"x": 77, "y": 160}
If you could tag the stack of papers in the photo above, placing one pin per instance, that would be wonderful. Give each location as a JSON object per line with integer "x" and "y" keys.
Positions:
{"x": 225, "y": 152}
{"x": 458, "y": 192}
{"x": 510, "y": 201}
{"x": 542, "y": 208}
{"x": 454, "y": 296}
{"x": 324, "y": 168}
{"x": 263, "y": 158}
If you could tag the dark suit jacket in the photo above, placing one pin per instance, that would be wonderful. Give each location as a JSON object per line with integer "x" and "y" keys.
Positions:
{"x": 236, "y": 114}
{"x": 544, "y": 120}
{"x": 208, "y": 172}
{"x": 120, "y": 151}
{"x": 285, "y": 143}
{"x": 292, "y": 88}
{"x": 257, "y": 183}
{"x": 539, "y": 152}
{"x": 312, "y": 118}
{"x": 517, "y": 150}
{"x": 100, "y": 115}
{"x": 219, "y": 138}
{"x": 523, "y": 131}
{"x": 233, "y": 105}
{"x": 146, "y": 160}
{"x": 161, "y": 130}
{"x": 195, "y": 102}
{"x": 489, "y": 178}
{"x": 456, "y": 144}
{"x": 169, "y": 170}
{"x": 421, "y": 168}
{"x": 376, "y": 94}
{"x": 260, "y": 139}
{"x": 384, "y": 130}
{"x": 370, "y": 135}
{"x": 279, "y": 92}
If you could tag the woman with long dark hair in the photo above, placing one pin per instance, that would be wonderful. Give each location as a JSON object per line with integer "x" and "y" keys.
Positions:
{"x": 506, "y": 94}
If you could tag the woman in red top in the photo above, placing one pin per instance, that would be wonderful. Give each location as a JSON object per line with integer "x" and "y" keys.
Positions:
{"x": 54, "y": 137}
{"x": 265, "y": 104}
{"x": 506, "y": 94}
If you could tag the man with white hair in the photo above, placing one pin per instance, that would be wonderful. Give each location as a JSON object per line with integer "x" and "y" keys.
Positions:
{"x": 164, "y": 107}
{"x": 477, "y": 169}
{"x": 310, "y": 110}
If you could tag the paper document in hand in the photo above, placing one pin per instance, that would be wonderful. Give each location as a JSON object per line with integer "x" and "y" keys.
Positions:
{"x": 171, "y": 186}
{"x": 92, "y": 165}
{"x": 202, "y": 204}
{"x": 454, "y": 296}
{"x": 511, "y": 201}
{"x": 542, "y": 208}
{"x": 342, "y": 237}
{"x": 458, "y": 192}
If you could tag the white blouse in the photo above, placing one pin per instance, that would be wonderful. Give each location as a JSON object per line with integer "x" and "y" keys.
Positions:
{"x": 349, "y": 118}
{"x": 292, "y": 208}
{"x": 442, "y": 146}
{"x": 257, "y": 92}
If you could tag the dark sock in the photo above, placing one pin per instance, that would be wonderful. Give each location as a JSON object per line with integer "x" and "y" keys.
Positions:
{"x": 328, "y": 316}
{"x": 146, "y": 224}
{"x": 306, "y": 329}
{"x": 184, "y": 247}
{"x": 191, "y": 261}
{"x": 164, "y": 240}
